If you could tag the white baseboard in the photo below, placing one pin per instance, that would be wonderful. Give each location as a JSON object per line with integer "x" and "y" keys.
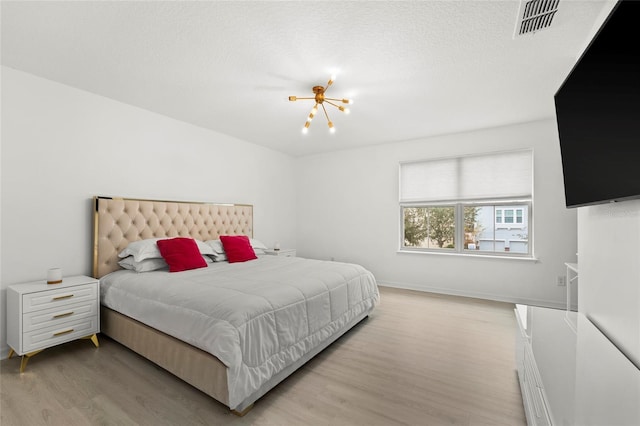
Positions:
{"x": 477, "y": 295}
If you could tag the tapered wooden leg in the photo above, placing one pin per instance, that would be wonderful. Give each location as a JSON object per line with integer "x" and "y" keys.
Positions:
{"x": 11, "y": 352}
{"x": 94, "y": 339}
{"x": 23, "y": 363}
{"x": 25, "y": 359}
{"x": 243, "y": 412}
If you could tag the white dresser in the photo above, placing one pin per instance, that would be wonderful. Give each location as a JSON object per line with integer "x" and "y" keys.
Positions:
{"x": 41, "y": 315}
{"x": 571, "y": 374}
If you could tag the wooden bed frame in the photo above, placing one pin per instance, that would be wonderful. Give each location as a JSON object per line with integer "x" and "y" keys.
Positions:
{"x": 119, "y": 221}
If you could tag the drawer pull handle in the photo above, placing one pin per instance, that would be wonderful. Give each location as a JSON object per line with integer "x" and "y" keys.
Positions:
{"x": 60, "y": 333}
{"x": 66, "y": 314}
{"x": 67, "y": 296}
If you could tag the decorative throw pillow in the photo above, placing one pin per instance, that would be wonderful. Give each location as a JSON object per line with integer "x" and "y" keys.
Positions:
{"x": 237, "y": 248}
{"x": 181, "y": 254}
{"x": 220, "y": 255}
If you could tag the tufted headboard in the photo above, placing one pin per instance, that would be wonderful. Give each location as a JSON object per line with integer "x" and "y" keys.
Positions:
{"x": 119, "y": 221}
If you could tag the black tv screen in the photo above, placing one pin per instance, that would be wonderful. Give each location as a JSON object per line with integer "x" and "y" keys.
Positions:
{"x": 598, "y": 114}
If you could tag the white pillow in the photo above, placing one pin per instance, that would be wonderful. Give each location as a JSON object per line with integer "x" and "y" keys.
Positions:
{"x": 204, "y": 248}
{"x": 146, "y": 265}
{"x": 257, "y": 244}
{"x": 149, "y": 265}
{"x": 148, "y": 249}
{"x": 218, "y": 257}
{"x": 216, "y": 246}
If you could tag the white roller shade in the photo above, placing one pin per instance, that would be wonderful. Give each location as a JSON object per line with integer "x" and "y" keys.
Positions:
{"x": 479, "y": 177}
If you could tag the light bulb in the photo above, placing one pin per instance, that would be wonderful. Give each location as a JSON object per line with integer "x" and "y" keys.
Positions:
{"x": 347, "y": 110}
{"x": 331, "y": 128}
{"x": 313, "y": 111}
{"x": 305, "y": 130}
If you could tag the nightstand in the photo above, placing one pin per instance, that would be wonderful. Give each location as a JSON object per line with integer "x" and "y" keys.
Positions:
{"x": 281, "y": 252}
{"x": 41, "y": 315}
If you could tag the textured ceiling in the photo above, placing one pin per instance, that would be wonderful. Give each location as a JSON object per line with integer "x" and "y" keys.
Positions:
{"x": 413, "y": 68}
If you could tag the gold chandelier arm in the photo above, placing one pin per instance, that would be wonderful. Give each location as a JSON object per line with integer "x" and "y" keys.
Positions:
{"x": 344, "y": 101}
{"x": 329, "y": 122}
{"x": 340, "y": 107}
{"x": 295, "y": 98}
{"x": 325, "y": 112}
{"x": 329, "y": 83}
{"x": 313, "y": 112}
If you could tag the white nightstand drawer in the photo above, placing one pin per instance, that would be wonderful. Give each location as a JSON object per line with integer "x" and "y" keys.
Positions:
{"x": 60, "y": 333}
{"x": 58, "y": 297}
{"x": 58, "y": 315}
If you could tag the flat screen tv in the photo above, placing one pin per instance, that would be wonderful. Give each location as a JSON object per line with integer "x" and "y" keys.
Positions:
{"x": 598, "y": 114}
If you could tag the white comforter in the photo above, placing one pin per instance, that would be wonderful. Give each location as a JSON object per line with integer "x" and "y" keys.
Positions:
{"x": 257, "y": 317}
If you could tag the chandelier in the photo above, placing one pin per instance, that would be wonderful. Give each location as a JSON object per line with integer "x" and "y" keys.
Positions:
{"x": 321, "y": 100}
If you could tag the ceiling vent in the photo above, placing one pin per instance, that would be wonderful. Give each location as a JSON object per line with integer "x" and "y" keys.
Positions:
{"x": 535, "y": 15}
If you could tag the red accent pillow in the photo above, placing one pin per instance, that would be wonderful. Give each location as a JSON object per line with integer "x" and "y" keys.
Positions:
{"x": 181, "y": 254}
{"x": 238, "y": 248}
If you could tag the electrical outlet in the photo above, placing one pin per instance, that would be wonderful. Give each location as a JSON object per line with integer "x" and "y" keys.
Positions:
{"x": 561, "y": 280}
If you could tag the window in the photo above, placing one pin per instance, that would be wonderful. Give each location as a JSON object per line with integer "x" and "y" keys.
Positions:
{"x": 429, "y": 227}
{"x": 464, "y": 204}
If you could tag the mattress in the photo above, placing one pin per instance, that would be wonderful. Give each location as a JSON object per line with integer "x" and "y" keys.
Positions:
{"x": 256, "y": 317}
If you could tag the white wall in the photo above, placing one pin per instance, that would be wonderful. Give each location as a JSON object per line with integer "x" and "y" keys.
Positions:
{"x": 609, "y": 280}
{"x": 61, "y": 146}
{"x": 347, "y": 204}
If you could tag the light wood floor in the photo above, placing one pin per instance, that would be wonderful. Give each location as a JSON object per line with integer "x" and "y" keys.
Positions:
{"x": 420, "y": 359}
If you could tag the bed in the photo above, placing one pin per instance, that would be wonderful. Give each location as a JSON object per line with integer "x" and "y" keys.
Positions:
{"x": 232, "y": 330}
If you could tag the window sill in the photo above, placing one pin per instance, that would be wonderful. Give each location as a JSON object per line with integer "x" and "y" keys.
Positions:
{"x": 483, "y": 256}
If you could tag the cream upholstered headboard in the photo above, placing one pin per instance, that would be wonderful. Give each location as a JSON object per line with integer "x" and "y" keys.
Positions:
{"x": 119, "y": 221}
